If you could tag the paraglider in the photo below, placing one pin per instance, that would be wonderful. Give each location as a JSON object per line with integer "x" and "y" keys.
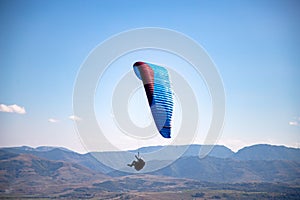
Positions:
{"x": 159, "y": 94}
{"x": 138, "y": 164}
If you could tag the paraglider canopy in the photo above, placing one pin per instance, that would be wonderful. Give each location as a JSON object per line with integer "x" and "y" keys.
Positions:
{"x": 159, "y": 94}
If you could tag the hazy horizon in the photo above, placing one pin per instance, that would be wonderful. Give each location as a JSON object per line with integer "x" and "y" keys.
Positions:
{"x": 83, "y": 152}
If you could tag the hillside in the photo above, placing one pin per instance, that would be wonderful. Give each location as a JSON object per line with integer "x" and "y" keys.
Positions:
{"x": 24, "y": 173}
{"x": 61, "y": 154}
{"x": 227, "y": 170}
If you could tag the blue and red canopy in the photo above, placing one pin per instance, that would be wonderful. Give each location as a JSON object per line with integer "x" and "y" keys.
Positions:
{"x": 159, "y": 94}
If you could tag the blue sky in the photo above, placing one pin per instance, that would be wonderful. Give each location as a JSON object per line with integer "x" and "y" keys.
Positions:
{"x": 254, "y": 44}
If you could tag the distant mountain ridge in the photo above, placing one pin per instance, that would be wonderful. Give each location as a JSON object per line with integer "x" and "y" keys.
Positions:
{"x": 252, "y": 163}
{"x": 40, "y": 148}
{"x": 61, "y": 154}
{"x": 49, "y": 170}
{"x": 254, "y": 152}
{"x": 267, "y": 152}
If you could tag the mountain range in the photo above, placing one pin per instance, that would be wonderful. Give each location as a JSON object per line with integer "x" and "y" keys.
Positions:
{"x": 54, "y": 170}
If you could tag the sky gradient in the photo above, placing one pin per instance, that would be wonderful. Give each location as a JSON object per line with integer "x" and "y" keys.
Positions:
{"x": 254, "y": 44}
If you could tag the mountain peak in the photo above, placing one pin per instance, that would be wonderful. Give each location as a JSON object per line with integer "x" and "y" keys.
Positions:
{"x": 267, "y": 152}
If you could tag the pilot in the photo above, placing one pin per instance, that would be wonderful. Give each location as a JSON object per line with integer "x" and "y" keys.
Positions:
{"x": 138, "y": 164}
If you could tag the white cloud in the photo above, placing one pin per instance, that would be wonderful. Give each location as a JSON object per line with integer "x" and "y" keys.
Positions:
{"x": 12, "y": 109}
{"x": 52, "y": 120}
{"x": 74, "y": 118}
{"x": 294, "y": 123}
